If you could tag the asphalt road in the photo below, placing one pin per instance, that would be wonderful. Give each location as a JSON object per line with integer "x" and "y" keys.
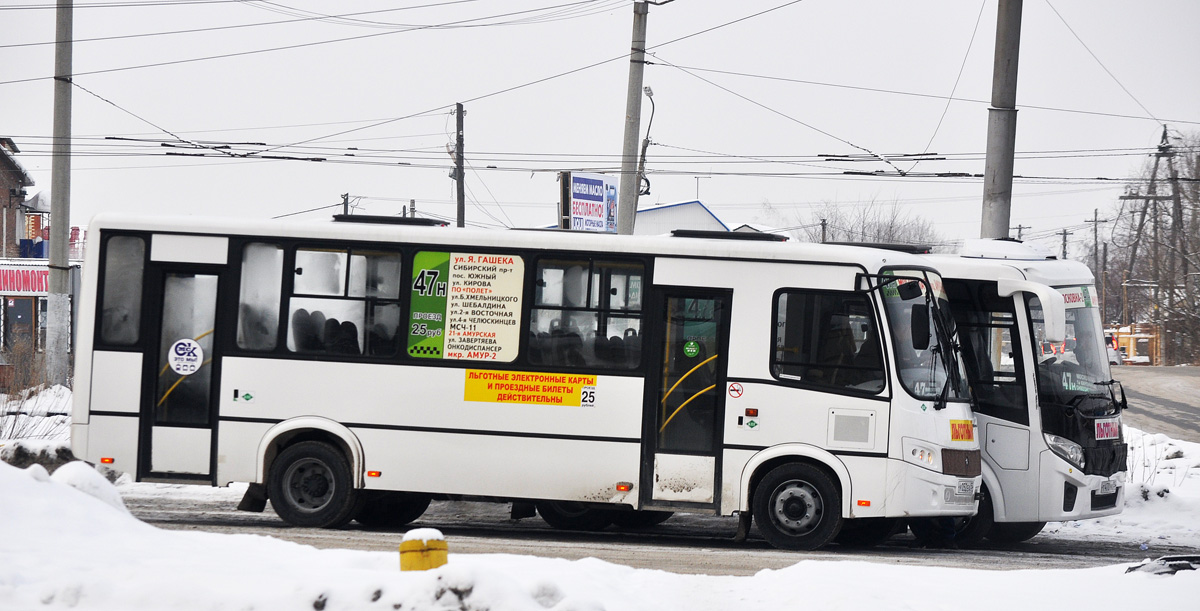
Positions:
{"x": 1161, "y": 400}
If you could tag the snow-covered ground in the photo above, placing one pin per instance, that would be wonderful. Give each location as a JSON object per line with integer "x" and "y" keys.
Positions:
{"x": 67, "y": 542}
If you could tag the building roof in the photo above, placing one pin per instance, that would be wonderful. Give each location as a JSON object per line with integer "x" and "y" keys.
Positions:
{"x": 8, "y": 148}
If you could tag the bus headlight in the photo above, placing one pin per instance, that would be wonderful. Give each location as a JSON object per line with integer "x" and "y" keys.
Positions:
{"x": 922, "y": 455}
{"x": 1069, "y": 450}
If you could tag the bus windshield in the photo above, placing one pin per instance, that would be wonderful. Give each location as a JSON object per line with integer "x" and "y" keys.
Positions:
{"x": 1073, "y": 372}
{"x": 929, "y": 368}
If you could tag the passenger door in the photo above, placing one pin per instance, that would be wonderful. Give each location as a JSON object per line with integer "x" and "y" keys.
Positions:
{"x": 180, "y": 370}
{"x": 684, "y": 400}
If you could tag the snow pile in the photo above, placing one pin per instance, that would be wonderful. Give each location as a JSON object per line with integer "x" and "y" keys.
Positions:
{"x": 70, "y": 550}
{"x": 1162, "y": 499}
{"x": 36, "y": 413}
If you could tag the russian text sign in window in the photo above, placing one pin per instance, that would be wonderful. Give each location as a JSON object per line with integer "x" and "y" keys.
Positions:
{"x": 466, "y": 306}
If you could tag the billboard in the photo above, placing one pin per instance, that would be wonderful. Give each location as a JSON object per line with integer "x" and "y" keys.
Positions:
{"x": 593, "y": 203}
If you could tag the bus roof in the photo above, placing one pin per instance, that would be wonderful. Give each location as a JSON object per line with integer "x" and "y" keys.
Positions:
{"x": 871, "y": 259}
{"x": 995, "y": 259}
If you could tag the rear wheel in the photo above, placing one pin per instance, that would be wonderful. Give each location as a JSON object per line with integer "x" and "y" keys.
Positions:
{"x": 1015, "y": 532}
{"x": 310, "y": 485}
{"x": 634, "y": 520}
{"x": 867, "y": 532}
{"x": 797, "y": 506}
{"x": 566, "y": 515}
{"x": 391, "y": 509}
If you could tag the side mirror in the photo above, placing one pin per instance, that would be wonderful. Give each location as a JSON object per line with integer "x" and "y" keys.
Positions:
{"x": 909, "y": 290}
{"x": 920, "y": 326}
{"x": 1054, "y": 308}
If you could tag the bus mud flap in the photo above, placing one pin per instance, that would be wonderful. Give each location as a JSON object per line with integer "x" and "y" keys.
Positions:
{"x": 255, "y": 499}
{"x": 743, "y": 527}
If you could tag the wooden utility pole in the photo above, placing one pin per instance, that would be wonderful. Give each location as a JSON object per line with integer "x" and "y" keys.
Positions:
{"x": 1064, "y": 233}
{"x": 1095, "y": 221}
{"x": 1019, "y": 229}
{"x": 459, "y": 175}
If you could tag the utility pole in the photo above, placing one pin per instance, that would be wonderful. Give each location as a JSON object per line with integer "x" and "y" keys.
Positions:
{"x": 346, "y": 203}
{"x": 58, "y": 302}
{"x": 458, "y": 167}
{"x": 412, "y": 208}
{"x": 627, "y": 197}
{"x": 1104, "y": 287}
{"x": 1096, "y": 220}
{"x": 1019, "y": 229}
{"x": 1179, "y": 250}
{"x": 1002, "y": 123}
{"x": 822, "y": 231}
{"x": 1064, "y": 233}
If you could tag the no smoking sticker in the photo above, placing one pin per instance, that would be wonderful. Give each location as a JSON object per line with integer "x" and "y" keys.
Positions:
{"x": 735, "y": 390}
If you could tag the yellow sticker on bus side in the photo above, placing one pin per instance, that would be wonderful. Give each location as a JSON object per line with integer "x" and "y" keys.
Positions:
{"x": 962, "y": 430}
{"x": 566, "y": 389}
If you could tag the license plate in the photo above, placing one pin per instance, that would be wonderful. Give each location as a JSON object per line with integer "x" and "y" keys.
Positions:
{"x": 1109, "y": 428}
{"x": 1108, "y": 486}
{"x": 966, "y": 487}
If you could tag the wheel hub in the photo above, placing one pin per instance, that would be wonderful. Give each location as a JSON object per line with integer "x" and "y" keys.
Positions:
{"x": 798, "y": 508}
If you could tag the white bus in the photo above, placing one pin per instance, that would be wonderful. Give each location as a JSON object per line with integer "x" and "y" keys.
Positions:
{"x": 1047, "y": 408}
{"x": 354, "y": 370}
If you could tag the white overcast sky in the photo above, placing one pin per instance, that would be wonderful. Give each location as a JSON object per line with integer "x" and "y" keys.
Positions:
{"x": 746, "y": 104}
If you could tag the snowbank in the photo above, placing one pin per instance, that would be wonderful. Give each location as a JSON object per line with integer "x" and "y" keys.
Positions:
{"x": 71, "y": 550}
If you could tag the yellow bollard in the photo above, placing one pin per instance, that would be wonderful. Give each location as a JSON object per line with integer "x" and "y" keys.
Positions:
{"x": 423, "y": 549}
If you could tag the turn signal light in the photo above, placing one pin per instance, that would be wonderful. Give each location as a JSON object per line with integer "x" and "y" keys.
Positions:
{"x": 751, "y": 412}
{"x": 624, "y": 487}
{"x": 862, "y": 503}
{"x": 374, "y": 473}
{"x": 107, "y": 461}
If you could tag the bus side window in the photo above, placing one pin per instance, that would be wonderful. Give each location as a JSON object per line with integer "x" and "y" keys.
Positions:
{"x": 121, "y": 304}
{"x": 258, "y": 298}
{"x": 572, "y": 325}
{"x": 344, "y": 302}
{"x": 827, "y": 339}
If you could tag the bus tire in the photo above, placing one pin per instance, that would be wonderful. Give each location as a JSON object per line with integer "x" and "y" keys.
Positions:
{"x": 1014, "y": 532}
{"x": 391, "y": 509}
{"x": 310, "y": 485}
{"x": 565, "y": 515}
{"x": 635, "y": 520}
{"x": 970, "y": 531}
{"x": 798, "y": 507}
{"x": 867, "y": 532}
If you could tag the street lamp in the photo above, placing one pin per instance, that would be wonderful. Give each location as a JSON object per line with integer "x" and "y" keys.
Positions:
{"x": 643, "y": 182}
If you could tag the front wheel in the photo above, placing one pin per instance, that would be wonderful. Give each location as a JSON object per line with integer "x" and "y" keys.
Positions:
{"x": 1014, "y": 532}
{"x": 970, "y": 531}
{"x": 566, "y": 515}
{"x": 797, "y": 506}
{"x": 310, "y": 485}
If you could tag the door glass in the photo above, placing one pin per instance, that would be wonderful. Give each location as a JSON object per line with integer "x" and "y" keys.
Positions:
{"x": 687, "y": 398}
{"x": 185, "y": 349}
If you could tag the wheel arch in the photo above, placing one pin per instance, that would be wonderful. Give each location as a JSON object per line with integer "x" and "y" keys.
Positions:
{"x": 762, "y": 463}
{"x": 310, "y": 428}
{"x": 995, "y": 492}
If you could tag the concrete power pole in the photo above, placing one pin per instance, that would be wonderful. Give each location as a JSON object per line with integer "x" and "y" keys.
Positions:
{"x": 458, "y": 167}
{"x": 1002, "y": 123}
{"x": 627, "y": 197}
{"x": 58, "y": 304}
